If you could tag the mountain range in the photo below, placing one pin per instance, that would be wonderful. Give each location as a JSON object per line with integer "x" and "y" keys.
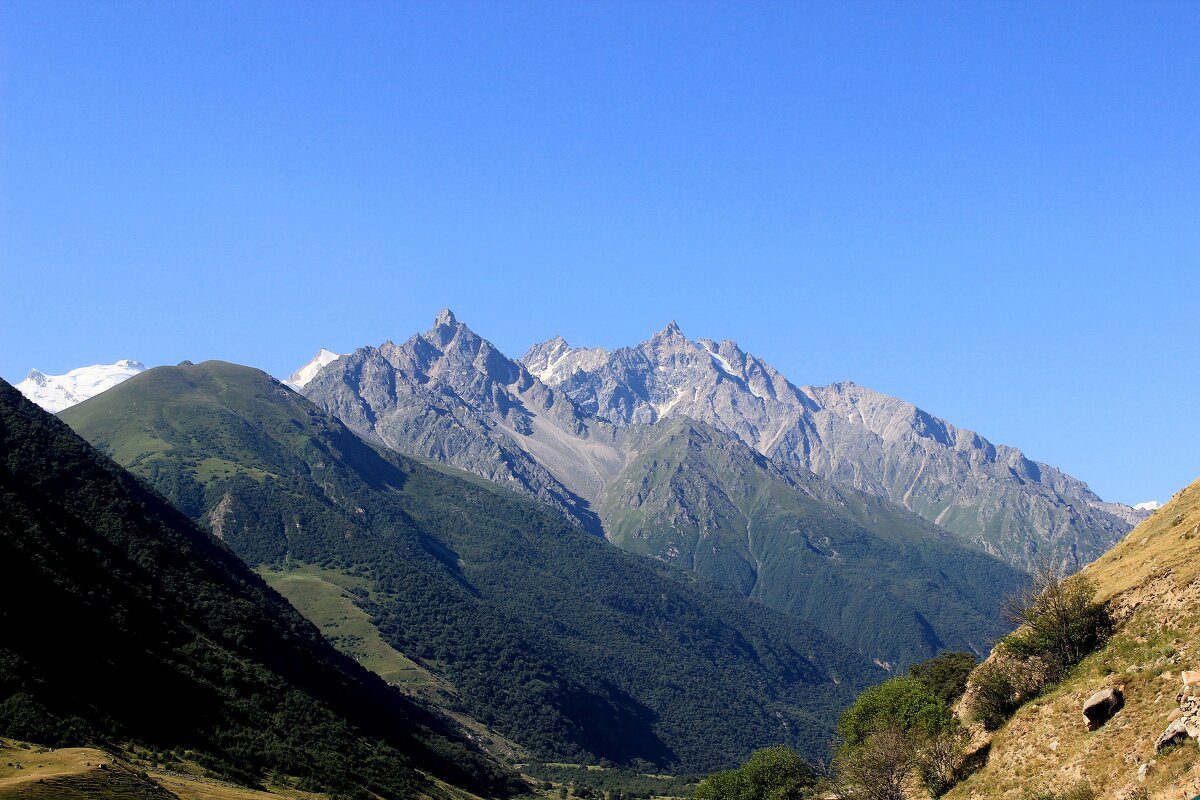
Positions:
{"x": 554, "y": 424}
{"x": 561, "y": 643}
{"x": 989, "y": 494}
{"x": 709, "y": 460}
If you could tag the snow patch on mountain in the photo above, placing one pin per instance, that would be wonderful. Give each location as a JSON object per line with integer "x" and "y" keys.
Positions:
{"x": 1149, "y": 505}
{"x": 56, "y": 392}
{"x": 301, "y": 377}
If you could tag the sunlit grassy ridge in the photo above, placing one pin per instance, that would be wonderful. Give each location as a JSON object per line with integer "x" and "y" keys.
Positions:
{"x": 321, "y": 595}
{"x": 1152, "y": 581}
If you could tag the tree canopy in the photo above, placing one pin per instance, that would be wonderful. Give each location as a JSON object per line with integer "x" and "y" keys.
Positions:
{"x": 901, "y": 703}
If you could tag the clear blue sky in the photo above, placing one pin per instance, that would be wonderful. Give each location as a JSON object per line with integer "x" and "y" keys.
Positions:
{"x": 992, "y": 210}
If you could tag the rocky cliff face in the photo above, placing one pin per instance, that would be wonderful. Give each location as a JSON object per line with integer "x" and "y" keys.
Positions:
{"x": 451, "y": 396}
{"x": 991, "y": 495}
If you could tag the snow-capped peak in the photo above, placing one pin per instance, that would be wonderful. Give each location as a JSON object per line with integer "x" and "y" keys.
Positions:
{"x": 1149, "y": 505}
{"x": 56, "y": 392}
{"x": 301, "y": 377}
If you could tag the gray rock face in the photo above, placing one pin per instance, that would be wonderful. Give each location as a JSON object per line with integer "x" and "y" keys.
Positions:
{"x": 451, "y": 396}
{"x": 1176, "y": 733}
{"x": 989, "y": 494}
{"x": 1101, "y": 706}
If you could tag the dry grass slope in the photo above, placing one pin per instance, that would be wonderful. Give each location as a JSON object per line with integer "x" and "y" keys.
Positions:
{"x": 30, "y": 772}
{"x": 66, "y": 774}
{"x": 1152, "y": 581}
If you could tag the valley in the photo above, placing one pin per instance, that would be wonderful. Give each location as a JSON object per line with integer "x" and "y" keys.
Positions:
{"x": 547, "y": 634}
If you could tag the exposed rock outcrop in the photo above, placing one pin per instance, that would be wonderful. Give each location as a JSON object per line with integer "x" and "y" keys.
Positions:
{"x": 1176, "y": 733}
{"x": 1101, "y": 706}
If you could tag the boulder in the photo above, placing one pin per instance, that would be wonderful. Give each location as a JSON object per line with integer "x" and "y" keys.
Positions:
{"x": 1190, "y": 677}
{"x": 1100, "y": 707}
{"x": 1175, "y": 714}
{"x": 1176, "y": 733}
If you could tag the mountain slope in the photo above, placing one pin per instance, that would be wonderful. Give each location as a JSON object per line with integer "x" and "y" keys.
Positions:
{"x": 56, "y": 392}
{"x": 553, "y": 637}
{"x": 450, "y": 395}
{"x": 991, "y": 495}
{"x": 874, "y": 575}
{"x": 122, "y": 620}
{"x": 1151, "y": 581}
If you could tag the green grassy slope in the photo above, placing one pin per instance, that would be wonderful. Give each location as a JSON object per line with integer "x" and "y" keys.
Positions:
{"x": 124, "y": 621}
{"x": 329, "y": 596}
{"x": 867, "y": 572}
{"x": 559, "y": 641}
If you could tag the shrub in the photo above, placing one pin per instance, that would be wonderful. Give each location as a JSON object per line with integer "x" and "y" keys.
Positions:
{"x": 938, "y": 760}
{"x": 878, "y": 769}
{"x": 1000, "y": 686}
{"x": 1060, "y": 624}
{"x": 945, "y": 676}
{"x": 1060, "y": 620}
{"x": 901, "y": 703}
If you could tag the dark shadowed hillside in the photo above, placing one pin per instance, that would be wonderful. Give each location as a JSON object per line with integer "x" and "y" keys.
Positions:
{"x": 121, "y": 620}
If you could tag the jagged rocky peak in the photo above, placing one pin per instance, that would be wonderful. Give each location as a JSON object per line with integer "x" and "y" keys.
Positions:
{"x": 451, "y": 395}
{"x": 542, "y": 358}
{"x": 462, "y": 354}
{"x": 554, "y": 359}
{"x": 670, "y": 332}
{"x": 668, "y": 375}
{"x": 445, "y": 328}
{"x": 991, "y": 494}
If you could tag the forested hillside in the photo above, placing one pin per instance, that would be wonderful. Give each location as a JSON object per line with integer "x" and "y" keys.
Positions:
{"x": 124, "y": 621}
{"x": 559, "y": 641}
